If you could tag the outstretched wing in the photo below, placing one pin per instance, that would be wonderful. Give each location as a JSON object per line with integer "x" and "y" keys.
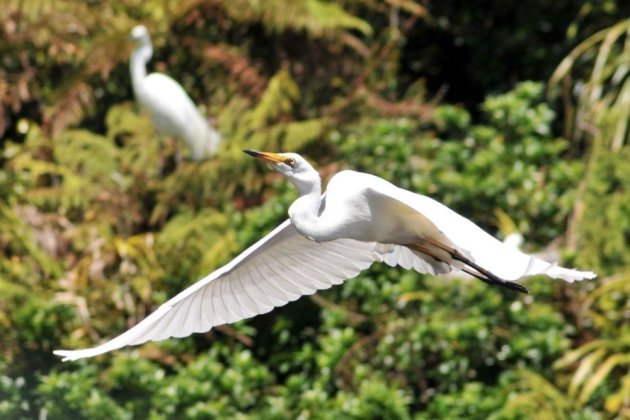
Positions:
{"x": 484, "y": 250}
{"x": 278, "y": 269}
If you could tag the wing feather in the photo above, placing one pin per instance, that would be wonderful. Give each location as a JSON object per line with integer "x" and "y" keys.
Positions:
{"x": 165, "y": 328}
{"x": 302, "y": 289}
{"x": 486, "y": 251}
{"x": 194, "y": 315}
{"x": 227, "y": 300}
{"x": 247, "y": 296}
{"x": 265, "y": 298}
{"x": 257, "y": 299}
{"x": 276, "y": 296}
{"x": 276, "y": 270}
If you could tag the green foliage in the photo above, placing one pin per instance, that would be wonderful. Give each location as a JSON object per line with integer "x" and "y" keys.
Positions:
{"x": 597, "y": 70}
{"x": 607, "y": 196}
{"x": 603, "y": 102}
{"x": 375, "y": 399}
{"x": 12, "y": 402}
{"x": 603, "y": 362}
{"x": 199, "y": 241}
{"x": 535, "y": 395}
{"x": 76, "y": 395}
{"x": 474, "y": 401}
{"x": 313, "y": 16}
{"x": 210, "y": 387}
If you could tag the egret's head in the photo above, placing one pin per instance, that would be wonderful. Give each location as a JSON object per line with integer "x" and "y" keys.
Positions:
{"x": 293, "y": 166}
{"x": 140, "y": 36}
{"x": 142, "y": 43}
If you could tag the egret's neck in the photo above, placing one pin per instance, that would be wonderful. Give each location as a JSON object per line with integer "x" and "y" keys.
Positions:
{"x": 137, "y": 66}
{"x": 304, "y": 212}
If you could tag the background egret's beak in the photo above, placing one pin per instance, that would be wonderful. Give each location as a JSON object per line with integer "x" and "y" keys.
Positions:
{"x": 269, "y": 157}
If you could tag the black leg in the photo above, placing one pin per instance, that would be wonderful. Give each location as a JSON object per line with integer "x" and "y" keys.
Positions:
{"x": 482, "y": 274}
{"x": 496, "y": 281}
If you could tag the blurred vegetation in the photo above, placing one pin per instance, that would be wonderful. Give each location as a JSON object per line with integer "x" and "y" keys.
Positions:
{"x": 501, "y": 108}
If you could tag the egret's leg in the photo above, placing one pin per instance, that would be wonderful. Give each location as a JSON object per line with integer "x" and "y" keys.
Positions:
{"x": 496, "y": 281}
{"x": 478, "y": 272}
{"x": 178, "y": 156}
{"x": 161, "y": 161}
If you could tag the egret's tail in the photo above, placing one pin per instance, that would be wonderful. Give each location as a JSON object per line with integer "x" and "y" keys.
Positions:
{"x": 213, "y": 140}
{"x": 71, "y": 355}
{"x": 567, "y": 274}
{"x": 202, "y": 139}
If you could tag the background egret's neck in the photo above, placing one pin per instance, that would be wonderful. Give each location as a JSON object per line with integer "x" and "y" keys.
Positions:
{"x": 137, "y": 65}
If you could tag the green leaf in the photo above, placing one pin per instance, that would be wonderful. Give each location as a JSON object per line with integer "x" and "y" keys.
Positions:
{"x": 600, "y": 375}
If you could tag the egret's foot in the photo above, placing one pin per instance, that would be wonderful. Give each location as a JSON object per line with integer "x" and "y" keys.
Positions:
{"x": 496, "y": 281}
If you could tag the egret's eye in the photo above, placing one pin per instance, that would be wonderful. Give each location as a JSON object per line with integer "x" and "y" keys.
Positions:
{"x": 290, "y": 162}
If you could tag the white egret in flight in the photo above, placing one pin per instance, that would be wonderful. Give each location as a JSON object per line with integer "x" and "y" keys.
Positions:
{"x": 329, "y": 238}
{"x": 172, "y": 111}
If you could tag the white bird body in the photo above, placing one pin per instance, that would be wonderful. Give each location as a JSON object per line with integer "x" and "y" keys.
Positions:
{"x": 171, "y": 110}
{"x": 356, "y": 203}
{"x": 329, "y": 238}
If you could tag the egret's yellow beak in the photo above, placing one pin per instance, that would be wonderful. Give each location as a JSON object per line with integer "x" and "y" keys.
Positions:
{"x": 269, "y": 157}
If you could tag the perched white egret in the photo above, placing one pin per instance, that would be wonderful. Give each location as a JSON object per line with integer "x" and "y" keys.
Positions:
{"x": 329, "y": 238}
{"x": 172, "y": 111}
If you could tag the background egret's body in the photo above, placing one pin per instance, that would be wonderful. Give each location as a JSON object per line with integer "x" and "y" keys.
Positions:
{"x": 362, "y": 219}
{"x": 172, "y": 111}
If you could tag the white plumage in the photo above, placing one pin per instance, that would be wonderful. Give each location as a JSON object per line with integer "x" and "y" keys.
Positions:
{"x": 172, "y": 111}
{"x": 362, "y": 219}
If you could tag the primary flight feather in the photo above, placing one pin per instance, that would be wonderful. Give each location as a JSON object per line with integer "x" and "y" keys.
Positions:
{"x": 330, "y": 238}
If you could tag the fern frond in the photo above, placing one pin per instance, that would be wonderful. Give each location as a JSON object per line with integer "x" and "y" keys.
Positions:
{"x": 298, "y": 134}
{"x": 240, "y": 67}
{"x": 602, "y": 62}
{"x": 88, "y": 154}
{"x": 410, "y": 6}
{"x": 25, "y": 241}
{"x": 595, "y": 361}
{"x": 535, "y": 394}
{"x": 70, "y": 105}
{"x": 318, "y": 18}
{"x": 278, "y": 99}
{"x": 202, "y": 242}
